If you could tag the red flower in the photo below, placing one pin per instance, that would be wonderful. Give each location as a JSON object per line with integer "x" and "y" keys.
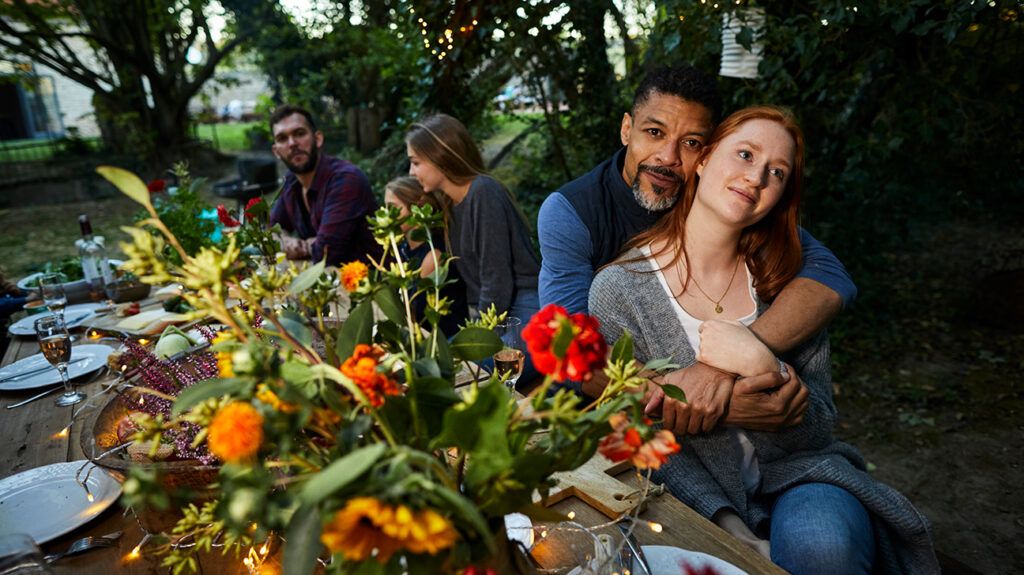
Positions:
{"x": 226, "y": 218}
{"x": 626, "y": 442}
{"x": 253, "y": 202}
{"x": 564, "y": 346}
{"x": 156, "y": 186}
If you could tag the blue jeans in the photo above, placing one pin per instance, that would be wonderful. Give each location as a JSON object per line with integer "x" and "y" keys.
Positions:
{"x": 820, "y": 528}
{"x": 525, "y": 304}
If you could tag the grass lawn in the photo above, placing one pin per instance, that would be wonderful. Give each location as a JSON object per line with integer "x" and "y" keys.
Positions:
{"x": 226, "y": 137}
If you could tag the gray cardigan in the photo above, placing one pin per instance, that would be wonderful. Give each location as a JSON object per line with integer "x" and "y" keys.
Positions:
{"x": 492, "y": 245}
{"x": 706, "y": 473}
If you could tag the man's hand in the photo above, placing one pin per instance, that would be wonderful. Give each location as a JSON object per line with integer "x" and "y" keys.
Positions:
{"x": 707, "y": 397}
{"x": 732, "y": 347}
{"x": 294, "y": 248}
{"x": 768, "y": 402}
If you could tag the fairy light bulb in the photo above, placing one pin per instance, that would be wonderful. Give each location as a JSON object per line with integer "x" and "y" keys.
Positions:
{"x": 656, "y": 527}
{"x": 572, "y": 515}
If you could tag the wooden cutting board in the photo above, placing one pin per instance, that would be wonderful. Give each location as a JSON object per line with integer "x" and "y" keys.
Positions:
{"x": 595, "y": 484}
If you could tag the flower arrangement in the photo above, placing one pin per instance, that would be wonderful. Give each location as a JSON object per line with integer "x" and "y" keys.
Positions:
{"x": 350, "y": 441}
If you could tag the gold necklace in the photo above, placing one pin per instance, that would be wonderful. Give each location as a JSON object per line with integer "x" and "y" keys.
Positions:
{"x": 718, "y": 304}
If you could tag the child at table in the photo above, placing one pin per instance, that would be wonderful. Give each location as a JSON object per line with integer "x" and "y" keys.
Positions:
{"x": 404, "y": 193}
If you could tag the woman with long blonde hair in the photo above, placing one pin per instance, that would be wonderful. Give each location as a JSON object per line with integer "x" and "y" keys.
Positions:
{"x": 686, "y": 289}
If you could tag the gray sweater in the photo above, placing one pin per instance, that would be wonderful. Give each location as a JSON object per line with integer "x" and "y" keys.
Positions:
{"x": 492, "y": 244}
{"x": 706, "y": 473}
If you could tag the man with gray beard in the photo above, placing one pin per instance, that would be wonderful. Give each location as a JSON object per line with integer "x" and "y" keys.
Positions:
{"x": 585, "y": 223}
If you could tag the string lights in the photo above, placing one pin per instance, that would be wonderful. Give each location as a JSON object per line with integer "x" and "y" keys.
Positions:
{"x": 445, "y": 40}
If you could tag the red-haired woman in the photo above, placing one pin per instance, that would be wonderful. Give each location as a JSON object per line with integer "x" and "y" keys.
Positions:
{"x": 686, "y": 289}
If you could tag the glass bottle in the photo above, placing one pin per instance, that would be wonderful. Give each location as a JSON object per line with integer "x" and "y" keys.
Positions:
{"x": 95, "y": 267}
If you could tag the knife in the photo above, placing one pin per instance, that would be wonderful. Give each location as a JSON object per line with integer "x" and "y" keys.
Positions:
{"x": 634, "y": 550}
{"x": 26, "y": 374}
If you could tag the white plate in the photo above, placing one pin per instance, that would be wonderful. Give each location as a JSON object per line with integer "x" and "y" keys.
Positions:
{"x": 664, "y": 560}
{"x": 94, "y": 356}
{"x": 47, "y": 502}
{"x": 74, "y": 315}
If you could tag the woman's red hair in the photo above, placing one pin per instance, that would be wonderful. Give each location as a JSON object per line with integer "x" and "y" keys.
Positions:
{"x": 770, "y": 247}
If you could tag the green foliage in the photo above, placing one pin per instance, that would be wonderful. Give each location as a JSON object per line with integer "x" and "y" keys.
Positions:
{"x": 181, "y": 212}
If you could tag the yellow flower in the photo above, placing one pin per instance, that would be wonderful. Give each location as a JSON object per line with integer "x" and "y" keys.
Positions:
{"x": 366, "y": 524}
{"x": 267, "y": 396}
{"x": 352, "y": 274}
{"x": 236, "y": 432}
{"x": 224, "y": 366}
{"x": 430, "y": 532}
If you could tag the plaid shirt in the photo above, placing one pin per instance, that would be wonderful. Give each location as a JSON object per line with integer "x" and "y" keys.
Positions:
{"x": 340, "y": 200}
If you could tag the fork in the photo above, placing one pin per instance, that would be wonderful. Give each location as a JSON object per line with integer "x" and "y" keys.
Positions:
{"x": 84, "y": 544}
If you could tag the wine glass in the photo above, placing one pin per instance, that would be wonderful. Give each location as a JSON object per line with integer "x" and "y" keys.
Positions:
{"x": 508, "y": 362}
{"x": 19, "y": 555}
{"x": 51, "y": 288}
{"x": 55, "y": 343}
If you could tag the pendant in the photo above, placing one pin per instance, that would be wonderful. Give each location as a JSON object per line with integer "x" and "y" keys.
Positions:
{"x": 719, "y": 308}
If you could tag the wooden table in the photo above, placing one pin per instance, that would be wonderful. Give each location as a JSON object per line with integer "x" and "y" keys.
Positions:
{"x": 32, "y": 438}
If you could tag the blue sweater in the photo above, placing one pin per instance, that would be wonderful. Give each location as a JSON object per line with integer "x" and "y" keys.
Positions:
{"x": 584, "y": 224}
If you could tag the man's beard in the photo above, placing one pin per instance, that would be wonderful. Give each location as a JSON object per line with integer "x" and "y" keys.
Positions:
{"x": 305, "y": 167}
{"x": 662, "y": 199}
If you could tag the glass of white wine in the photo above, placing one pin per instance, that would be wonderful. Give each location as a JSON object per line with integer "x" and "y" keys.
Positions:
{"x": 508, "y": 363}
{"x": 55, "y": 343}
{"x": 51, "y": 288}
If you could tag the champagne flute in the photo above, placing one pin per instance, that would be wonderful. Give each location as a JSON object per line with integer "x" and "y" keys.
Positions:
{"x": 55, "y": 343}
{"x": 508, "y": 362}
{"x": 51, "y": 288}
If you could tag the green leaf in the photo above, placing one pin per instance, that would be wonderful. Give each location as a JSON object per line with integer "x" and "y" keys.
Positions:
{"x": 660, "y": 364}
{"x": 389, "y": 303}
{"x": 295, "y": 325}
{"x": 358, "y": 328}
{"x": 302, "y": 544}
{"x": 427, "y": 367}
{"x": 623, "y": 350}
{"x": 475, "y": 343}
{"x": 339, "y": 474}
{"x": 306, "y": 279}
{"x": 674, "y": 392}
{"x": 190, "y": 396}
{"x": 128, "y": 183}
{"x": 469, "y": 513}
{"x": 563, "y": 338}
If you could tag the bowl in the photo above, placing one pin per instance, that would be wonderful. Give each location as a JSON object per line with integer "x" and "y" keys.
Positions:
{"x": 127, "y": 290}
{"x": 35, "y": 306}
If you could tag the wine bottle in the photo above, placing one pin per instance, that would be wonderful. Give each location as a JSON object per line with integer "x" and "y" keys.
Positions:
{"x": 95, "y": 267}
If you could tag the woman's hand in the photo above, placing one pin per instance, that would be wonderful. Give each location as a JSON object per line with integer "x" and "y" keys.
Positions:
{"x": 730, "y": 346}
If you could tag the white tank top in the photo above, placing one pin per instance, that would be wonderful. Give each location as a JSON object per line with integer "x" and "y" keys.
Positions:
{"x": 749, "y": 469}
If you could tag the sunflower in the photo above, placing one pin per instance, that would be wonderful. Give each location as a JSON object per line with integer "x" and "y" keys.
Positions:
{"x": 355, "y": 531}
{"x": 236, "y": 432}
{"x": 366, "y": 524}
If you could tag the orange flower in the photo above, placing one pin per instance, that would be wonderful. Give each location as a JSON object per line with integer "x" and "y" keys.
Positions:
{"x": 627, "y": 442}
{"x": 236, "y": 432}
{"x": 352, "y": 274}
{"x": 656, "y": 450}
{"x": 361, "y": 368}
{"x": 366, "y": 524}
